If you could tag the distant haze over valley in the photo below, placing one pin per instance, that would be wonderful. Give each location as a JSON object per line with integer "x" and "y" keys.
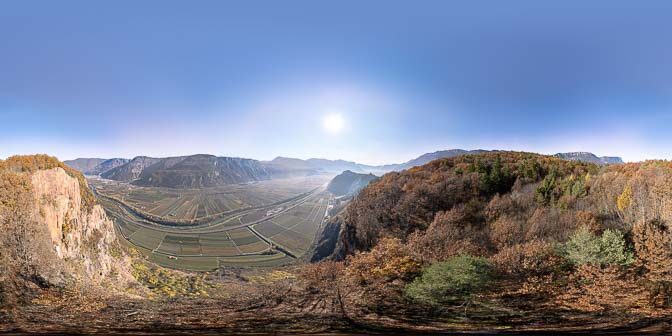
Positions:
{"x": 203, "y": 170}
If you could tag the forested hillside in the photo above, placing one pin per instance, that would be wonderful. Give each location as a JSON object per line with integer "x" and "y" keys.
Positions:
{"x": 513, "y": 232}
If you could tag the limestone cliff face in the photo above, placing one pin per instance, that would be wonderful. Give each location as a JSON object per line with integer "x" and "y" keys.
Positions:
{"x": 81, "y": 236}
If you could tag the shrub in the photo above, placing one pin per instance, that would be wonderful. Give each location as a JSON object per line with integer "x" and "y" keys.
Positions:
{"x": 653, "y": 243}
{"x": 598, "y": 289}
{"x": 528, "y": 259}
{"x": 610, "y": 248}
{"x": 382, "y": 272}
{"x": 450, "y": 280}
{"x": 387, "y": 262}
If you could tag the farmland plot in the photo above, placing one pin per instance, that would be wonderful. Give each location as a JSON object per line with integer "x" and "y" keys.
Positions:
{"x": 188, "y": 204}
{"x": 266, "y": 236}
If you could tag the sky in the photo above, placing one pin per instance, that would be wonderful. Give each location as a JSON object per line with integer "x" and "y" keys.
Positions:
{"x": 369, "y": 81}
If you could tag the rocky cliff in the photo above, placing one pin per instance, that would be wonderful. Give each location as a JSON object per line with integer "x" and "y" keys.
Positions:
{"x": 77, "y": 233}
{"x": 590, "y": 158}
{"x": 51, "y": 231}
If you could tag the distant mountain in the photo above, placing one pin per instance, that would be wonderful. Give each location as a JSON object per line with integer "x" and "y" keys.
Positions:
{"x": 108, "y": 165}
{"x": 428, "y": 157}
{"x": 95, "y": 166}
{"x": 349, "y": 183}
{"x": 611, "y": 160}
{"x": 590, "y": 157}
{"x": 289, "y": 163}
{"x": 202, "y": 170}
{"x": 196, "y": 171}
{"x": 338, "y": 166}
{"x": 317, "y": 165}
{"x": 84, "y": 165}
{"x": 131, "y": 170}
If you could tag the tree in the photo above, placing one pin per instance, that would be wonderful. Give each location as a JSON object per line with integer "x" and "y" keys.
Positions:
{"x": 545, "y": 193}
{"x": 624, "y": 199}
{"x": 534, "y": 258}
{"x": 451, "y": 280}
{"x": 653, "y": 245}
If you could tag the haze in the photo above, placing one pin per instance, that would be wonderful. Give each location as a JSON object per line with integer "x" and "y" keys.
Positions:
{"x": 259, "y": 79}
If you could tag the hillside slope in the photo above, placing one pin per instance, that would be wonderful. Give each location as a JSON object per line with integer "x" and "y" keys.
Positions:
{"x": 349, "y": 183}
{"x": 428, "y": 157}
{"x": 107, "y": 165}
{"x": 199, "y": 171}
{"x": 130, "y": 170}
{"x": 544, "y": 234}
{"x": 401, "y": 203}
{"x": 84, "y": 165}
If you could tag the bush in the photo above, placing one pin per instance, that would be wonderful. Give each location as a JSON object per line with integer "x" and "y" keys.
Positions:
{"x": 450, "y": 280}
{"x": 533, "y": 258}
{"x": 593, "y": 288}
{"x": 381, "y": 273}
{"x": 653, "y": 243}
{"x": 610, "y": 248}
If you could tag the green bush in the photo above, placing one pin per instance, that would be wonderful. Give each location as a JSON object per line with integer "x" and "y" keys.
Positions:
{"x": 450, "y": 280}
{"x": 583, "y": 247}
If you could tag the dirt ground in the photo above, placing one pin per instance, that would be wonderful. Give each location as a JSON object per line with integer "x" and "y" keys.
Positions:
{"x": 54, "y": 312}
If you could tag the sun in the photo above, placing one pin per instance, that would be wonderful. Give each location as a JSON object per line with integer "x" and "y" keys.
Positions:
{"x": 333, "y": 123}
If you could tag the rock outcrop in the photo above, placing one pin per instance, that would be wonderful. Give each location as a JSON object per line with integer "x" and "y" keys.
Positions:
{"x": 76, "y": 232}
{"x": 590, "y": 158}
{"x": 52, "y": 233}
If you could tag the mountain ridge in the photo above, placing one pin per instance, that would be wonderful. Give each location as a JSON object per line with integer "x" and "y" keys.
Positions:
{"x": 84, "y": 165}
{"x": 205, "y": 170}
{"x": 590, "y": 157}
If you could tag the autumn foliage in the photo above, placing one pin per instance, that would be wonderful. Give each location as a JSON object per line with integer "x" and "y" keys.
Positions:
{"x": 594, "y": 239}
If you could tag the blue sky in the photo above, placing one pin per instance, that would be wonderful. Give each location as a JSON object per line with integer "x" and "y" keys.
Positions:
{"x": 257, "y": 78}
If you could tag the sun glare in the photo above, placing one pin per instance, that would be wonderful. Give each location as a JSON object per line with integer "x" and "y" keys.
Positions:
{"x": 333, "y": 123}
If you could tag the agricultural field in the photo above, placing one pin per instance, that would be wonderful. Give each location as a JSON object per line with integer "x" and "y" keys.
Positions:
{"x": 189, "y": 204}
{"x": 295, "y": 230}
{"x": 264, "y": 236}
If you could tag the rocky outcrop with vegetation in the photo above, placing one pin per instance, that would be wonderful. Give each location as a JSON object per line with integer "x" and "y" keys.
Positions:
{"x": 53, "y": 233}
